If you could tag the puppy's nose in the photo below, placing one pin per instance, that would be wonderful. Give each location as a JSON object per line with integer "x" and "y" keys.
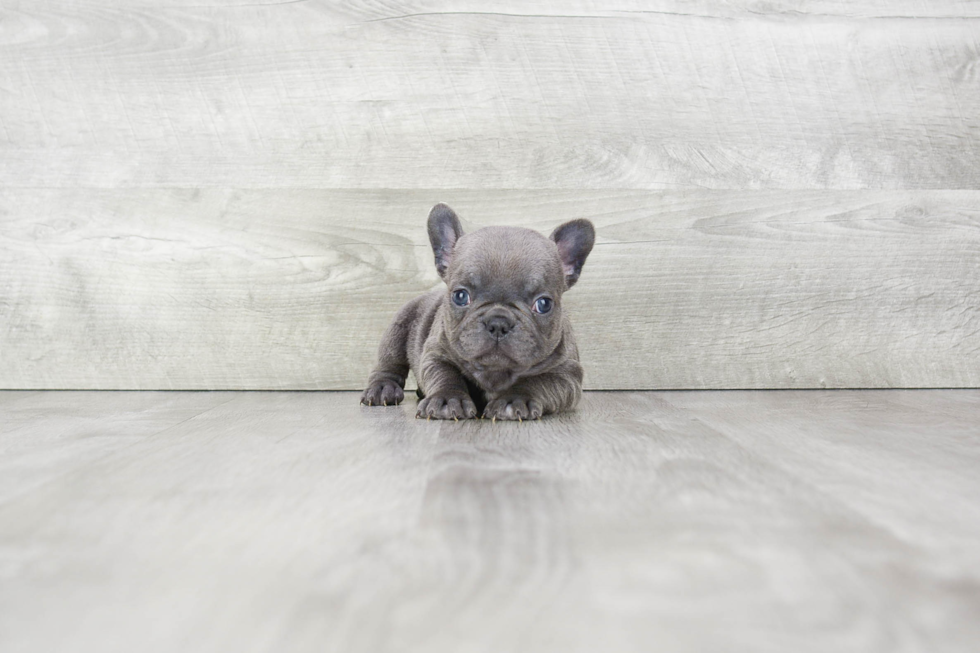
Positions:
{"x": 499, "y": 326}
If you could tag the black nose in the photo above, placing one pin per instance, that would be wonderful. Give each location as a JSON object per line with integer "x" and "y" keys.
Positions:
{"x": 499, "y": 326}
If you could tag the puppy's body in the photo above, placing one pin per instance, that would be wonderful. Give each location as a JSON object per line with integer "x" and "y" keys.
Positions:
{"x": 496, "y": 342}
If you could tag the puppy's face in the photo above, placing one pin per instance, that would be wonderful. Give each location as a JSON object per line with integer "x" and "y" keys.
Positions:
{"x": 504, "y": 288}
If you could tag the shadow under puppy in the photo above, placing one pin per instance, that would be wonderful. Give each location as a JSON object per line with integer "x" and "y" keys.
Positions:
{"x": 497, "y": 341}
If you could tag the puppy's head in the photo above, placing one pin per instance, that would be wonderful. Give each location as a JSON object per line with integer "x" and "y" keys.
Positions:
{"x": 503, "y": 303}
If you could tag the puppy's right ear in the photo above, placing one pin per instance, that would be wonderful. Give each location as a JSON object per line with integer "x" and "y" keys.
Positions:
{"x": 444, "y": 231}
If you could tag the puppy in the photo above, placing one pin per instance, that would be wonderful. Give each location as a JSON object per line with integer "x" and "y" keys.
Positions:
{"x": 496, "y": 341}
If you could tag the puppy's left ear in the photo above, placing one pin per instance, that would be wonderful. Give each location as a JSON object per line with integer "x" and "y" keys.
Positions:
{"x": 444, "y": 231}
{"x": 574, "y": 240}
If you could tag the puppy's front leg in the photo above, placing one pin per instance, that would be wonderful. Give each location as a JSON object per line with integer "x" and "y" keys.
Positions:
{"x": 445, "y": 391}
{"x": 532, "y": 397}
{"x": 387, "y": 382}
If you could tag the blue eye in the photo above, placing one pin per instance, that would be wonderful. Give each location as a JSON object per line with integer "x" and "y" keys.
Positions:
{"x": 543, "y": 305}
{"x": 461, "y": 297}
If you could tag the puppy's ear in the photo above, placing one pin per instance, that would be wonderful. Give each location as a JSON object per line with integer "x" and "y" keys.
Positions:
{"x": 574, "y": 240}
{"x": 444, "y": 231}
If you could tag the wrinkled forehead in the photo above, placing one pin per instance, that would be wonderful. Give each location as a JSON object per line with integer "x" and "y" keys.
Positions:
{"x": 510, "y": 258}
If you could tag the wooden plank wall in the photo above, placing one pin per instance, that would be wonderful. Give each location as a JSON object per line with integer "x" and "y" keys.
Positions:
{"x": 221, "y": 194}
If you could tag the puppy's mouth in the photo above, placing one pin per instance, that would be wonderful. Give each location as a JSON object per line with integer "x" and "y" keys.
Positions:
{"x": 485, "y": 346}
{"x": 495, "y": 355}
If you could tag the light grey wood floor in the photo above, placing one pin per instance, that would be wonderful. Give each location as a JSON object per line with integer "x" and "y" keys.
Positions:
{"x": 668, "y": 521}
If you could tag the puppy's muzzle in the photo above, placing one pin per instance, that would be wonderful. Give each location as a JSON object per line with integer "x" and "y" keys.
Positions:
{"x": 498, "y": 326}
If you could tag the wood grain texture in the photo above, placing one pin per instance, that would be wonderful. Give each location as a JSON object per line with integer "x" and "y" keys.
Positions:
{"x": 163, "y": 289}
{"x": 681, "y": 521}
{"x": 227, "y": 194}
{"x": 47, "y": 437}
{"x": 407, "y": 94}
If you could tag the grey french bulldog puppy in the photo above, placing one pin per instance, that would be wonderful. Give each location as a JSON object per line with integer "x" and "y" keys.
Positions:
{"x": 495, "y": 341}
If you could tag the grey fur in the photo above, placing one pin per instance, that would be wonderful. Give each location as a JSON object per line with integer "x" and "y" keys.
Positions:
{"x": 496, "y": 356}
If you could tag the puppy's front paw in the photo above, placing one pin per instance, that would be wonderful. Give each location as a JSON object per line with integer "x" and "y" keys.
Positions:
{"x": 513, "y": 407}
{"x": 439, "y": 407}
{"x": 382, "y": 393}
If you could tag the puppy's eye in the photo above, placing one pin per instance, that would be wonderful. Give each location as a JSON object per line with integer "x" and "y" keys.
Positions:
{"x": 461, "y": 297}
{"x": 542, "y": 305}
